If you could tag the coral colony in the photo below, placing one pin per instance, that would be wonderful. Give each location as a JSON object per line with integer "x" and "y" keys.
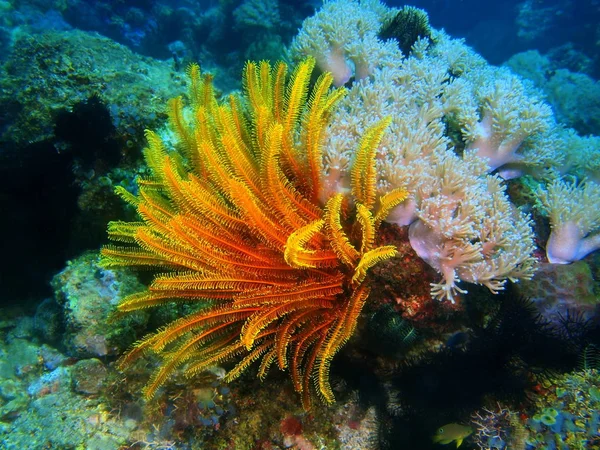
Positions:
{"x": 266, "y": 209}
{"x": 398, "y": 238}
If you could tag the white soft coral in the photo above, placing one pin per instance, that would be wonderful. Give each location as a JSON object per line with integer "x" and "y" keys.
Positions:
{"x": 468, "y": 230}
{"x": 461, "y": 220}
{"x": 342, "y": 37}
{"x": 574, "y": 211}
{"x": 503, "y": 119}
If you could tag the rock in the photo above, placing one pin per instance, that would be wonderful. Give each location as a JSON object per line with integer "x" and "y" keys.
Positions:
{"x": 48, "y": 322}
{"x": 88, "y": 295}
{"x": 88, "y": 376}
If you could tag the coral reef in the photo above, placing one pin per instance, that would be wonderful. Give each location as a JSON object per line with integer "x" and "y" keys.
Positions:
{"x": 534, "y": 19}
{"x": 568, "y": 416}
{"x": 37, "y": 381}
{"x": 257, "y": 13}
{"x": 299, "y": 224}
{"x": 221, "y": 34}
{"x": 574, "y": 96}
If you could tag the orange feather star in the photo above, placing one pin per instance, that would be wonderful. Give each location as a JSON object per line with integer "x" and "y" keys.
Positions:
{"x": 232, "y": 216}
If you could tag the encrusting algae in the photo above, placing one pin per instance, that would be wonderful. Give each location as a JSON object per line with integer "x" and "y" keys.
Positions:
{"x": 232, "y": 217}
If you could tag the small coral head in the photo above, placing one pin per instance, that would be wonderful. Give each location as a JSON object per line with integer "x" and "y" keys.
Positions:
{"x": 232, "y": 217}
{"x": 290, "y": 426}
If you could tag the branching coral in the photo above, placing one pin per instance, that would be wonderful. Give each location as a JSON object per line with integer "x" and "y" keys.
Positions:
{"x": 233, "y": 217}
{"x": 574, "y": 219}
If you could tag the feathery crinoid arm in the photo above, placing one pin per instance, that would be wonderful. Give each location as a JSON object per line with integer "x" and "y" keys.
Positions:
{"x": 231, "y": 216}
{"x": 363, "y": 176}
{"x": 339, "y": 332}
{"x": 320, "y": 104}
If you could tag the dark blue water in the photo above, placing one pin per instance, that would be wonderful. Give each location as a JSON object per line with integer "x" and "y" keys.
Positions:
{"x": 500, "y": 29}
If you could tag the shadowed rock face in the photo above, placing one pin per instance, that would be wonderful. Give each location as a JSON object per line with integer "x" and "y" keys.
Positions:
{"x": 41, "y": 188}
{"x": 38, "y": 200}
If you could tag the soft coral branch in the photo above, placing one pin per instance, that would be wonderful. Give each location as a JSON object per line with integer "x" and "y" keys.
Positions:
{"x": 574, "y": 218}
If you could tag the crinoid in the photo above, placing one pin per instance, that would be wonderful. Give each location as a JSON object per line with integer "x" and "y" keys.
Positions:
{"x": 232, "y": 217}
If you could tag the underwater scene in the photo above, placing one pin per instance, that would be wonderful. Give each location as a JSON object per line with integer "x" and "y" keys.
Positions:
{"x": 310, "y": 225}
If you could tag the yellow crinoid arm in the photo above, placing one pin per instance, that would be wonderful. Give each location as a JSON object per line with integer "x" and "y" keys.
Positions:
{"x": 263, "y": 318}
{"x": 294, "y": 103}
{"x": 179, "y": 356}
{"x": 201, "y": 91}
{"x": 120, "y": 231}
{"x": 339, "y": 241}
{"x": 127, "y": 196}
{"x": 258, "y": 86}
{"x": 252, "y": 356}
{"x": 254, "y": 211}
{"x": 338, "y": 335}
{"x": 278, "y": 192}
{"x": 296, "y": 94}
{"x": 183, "y": 132}
{"x": 286, "y": 336}
{"x": 117, "y": 256}
{"x": 367, "y": 225}
{"x": 236, "y": 154}
{"x": 363, "y": 176}
{"x": 214, "y": 353}
{"x": 320, "y": 104}
{"x": 298, "y": 255}
{"x": 194, "y": 75}
{"x": 154, "y": 153}
{"x": 371, "y": 258}
{"x": 387, "y": 202}
{"x": 279, "y": 79}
